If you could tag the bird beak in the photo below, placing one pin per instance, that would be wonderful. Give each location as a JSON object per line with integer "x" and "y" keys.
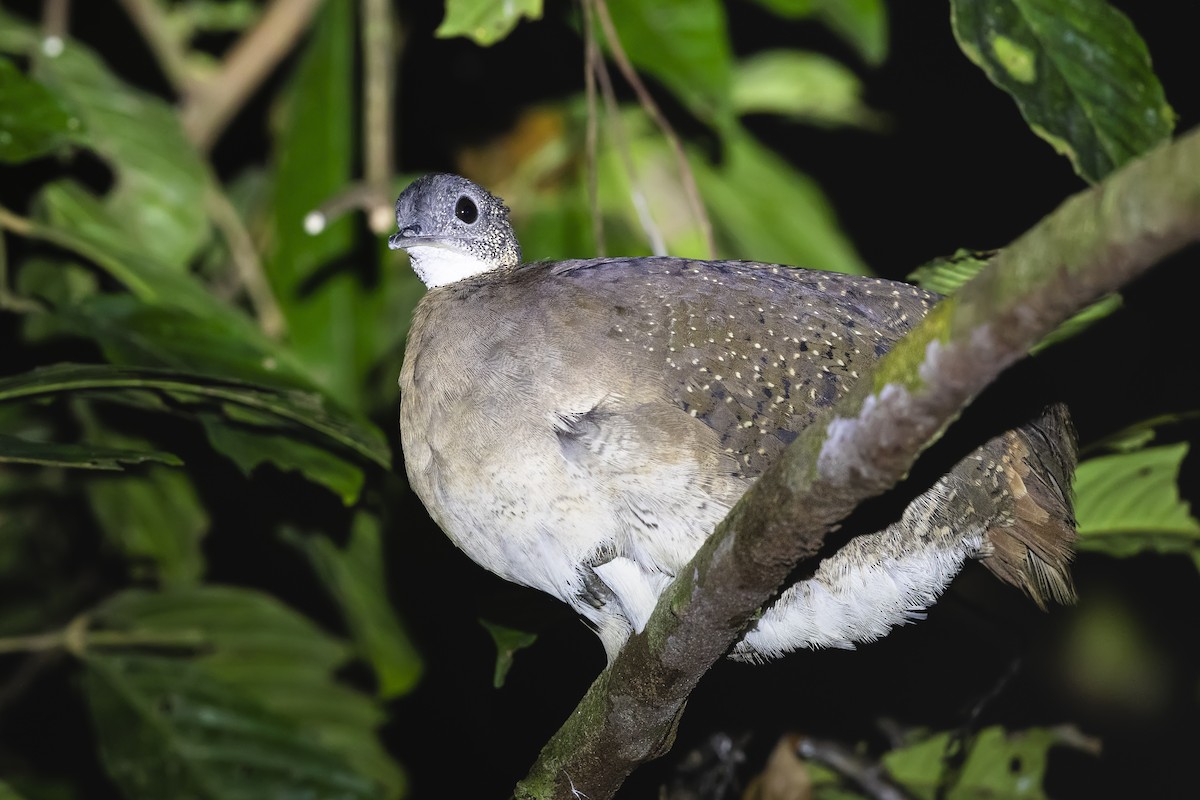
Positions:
{"x": 396, "y": 241}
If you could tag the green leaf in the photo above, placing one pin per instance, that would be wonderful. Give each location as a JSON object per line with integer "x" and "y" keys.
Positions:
{"x": 861, "y": 23}
{"x": 153, "y": 516}
{"x": 355, "y": 577}
{"x": 948, "y": 275}
{"x": 508, "y": 641}
{"x": 7, "y": 792}
{"x": 33, "y": 120}
{"x": 685, "y": 44}
{"x": 314, "y": 152}
{"x": 168, "y": 729}
{"x": 1129, "y": 503}
{"x": 14, "y": 450}
{"x": 1079, "y": 72}
{"x": 767, "y": 211}
{"x": 136, "y": 333}
{"x": 485, "y": 21}
{"x": 158, "y": 195}
{"x": 263, "y": 649}
{"x": 998, "y": 764}
{"x": 306, "y": 410}
{"x": 251, "y": 446}
{"x": 802, "y": 86}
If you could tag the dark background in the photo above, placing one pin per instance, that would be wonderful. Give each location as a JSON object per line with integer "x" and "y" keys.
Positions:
{"x": 958, "y": 168}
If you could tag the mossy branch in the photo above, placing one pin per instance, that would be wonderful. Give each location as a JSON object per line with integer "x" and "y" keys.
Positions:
{"x": 1093, "y": 244}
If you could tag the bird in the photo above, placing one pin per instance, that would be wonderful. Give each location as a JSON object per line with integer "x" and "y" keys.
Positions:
{"x": 581, "y": 426}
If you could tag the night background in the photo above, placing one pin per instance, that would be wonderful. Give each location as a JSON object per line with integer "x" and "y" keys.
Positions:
{"x": 944, "y": 161}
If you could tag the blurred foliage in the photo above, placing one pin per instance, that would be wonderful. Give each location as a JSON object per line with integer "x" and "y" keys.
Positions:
{"x": 164, "y": 352}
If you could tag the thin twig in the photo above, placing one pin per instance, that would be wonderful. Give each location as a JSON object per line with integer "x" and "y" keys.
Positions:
{"x": 377, "y": 33}
{"x": 151, "y": 21}
{"x": 245, "y": 259}
{"x": 658, "y": 245}
{"x": 690, "y": 190}
{"x": 56, "y": 21}
{"x": 590, "y": 57}
{"x": 867, "y": 774}
{"x": 210, "y": 106}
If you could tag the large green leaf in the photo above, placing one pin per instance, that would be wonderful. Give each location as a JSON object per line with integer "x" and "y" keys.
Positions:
{"x": 15, "y": 450}
{"x": 1079, "y": 72}
{"x": 803, "y": 86}
{"x": 685, "y": 44}
{"x": 305, "y": 411}
{"x": 1129, "y": 503}
{"x": 160, "y": 180}
{"x": 262, "y": 649}
{"x": 355, "y": 576}
{"x": 168, "y": 729}
{"x": 485, "y": 21}
{"x": 314, "y": 152}
{"x": 33, "y": 120}
{"x": 768, "y": 211}
{"x": 862, "y": 23}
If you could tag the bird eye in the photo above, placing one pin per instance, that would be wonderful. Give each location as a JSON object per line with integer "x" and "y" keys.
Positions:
{"x": 466, "y": 210}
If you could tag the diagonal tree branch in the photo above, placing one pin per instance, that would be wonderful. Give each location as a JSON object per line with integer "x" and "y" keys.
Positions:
{"x": 1093, "y": 244}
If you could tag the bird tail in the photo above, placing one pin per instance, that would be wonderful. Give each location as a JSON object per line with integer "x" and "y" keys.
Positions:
{"x": 1031, "y": 547}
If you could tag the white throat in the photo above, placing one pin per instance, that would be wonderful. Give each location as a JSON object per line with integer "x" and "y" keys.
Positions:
{"x": 437, "y": 266}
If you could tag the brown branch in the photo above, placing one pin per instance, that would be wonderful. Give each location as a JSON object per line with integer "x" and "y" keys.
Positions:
{"x": 690, "y": 190}
{"x": 209, "y": 107}
{"x": 1094, "y": 243}
{"x": 246, "y": 261}
{"x": 591, "y": 57}
{"x": 150, "y": 20}
{"x": 377, "y": 32}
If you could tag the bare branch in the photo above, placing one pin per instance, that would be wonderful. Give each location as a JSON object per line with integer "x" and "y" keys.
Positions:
{"x": 151, "y": 22}
{"x": 591, "y": 57}
{"x": 377, "y": 32}
{"x": 1093, "y": 244}
{"x": 209, "y": 107}
{"x": 245, "y": 260}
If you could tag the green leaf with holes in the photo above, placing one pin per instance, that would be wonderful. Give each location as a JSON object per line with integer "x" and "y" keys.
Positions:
{"x": 1079, "y": 72}
{"x": 1129, "y": 503}
{"x": 486, "y": 21}
{"x": 998, "y": 763}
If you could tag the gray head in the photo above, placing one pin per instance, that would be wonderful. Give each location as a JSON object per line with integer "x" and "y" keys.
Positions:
{"x": 453, "y": 229}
